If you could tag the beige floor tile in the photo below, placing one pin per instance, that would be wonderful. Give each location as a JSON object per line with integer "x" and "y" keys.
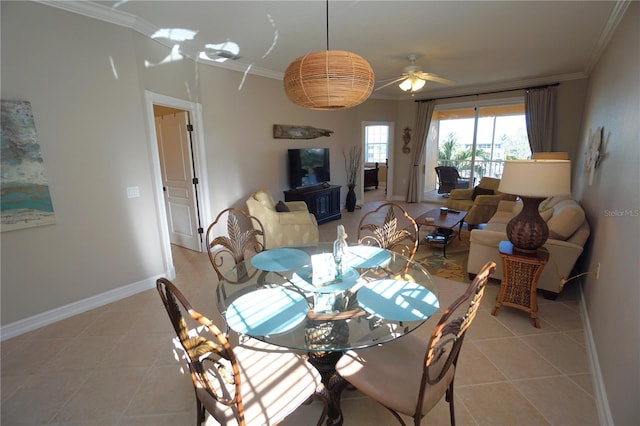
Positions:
{"x": 40, "y": 398}
{"x": 27, "y": 356}
{"x": 520, "y": 322}
{"x": 475, "y": 368}
{"x": 82, "y": 353}
{"x": 577, "y": 336}
{"x": 560, "y": 400}
{"x": 515, "y": 359}
{"x": 499, "y": 404}
{"x": 187, "y": 418}
{"x": 585, "y": 381}
{"x": 103, "y": 397}
{"x": 10, "y": 384}
{"x": 112, "y": 323}
{"x": 561, "y": 316}
{"x": 561, "y": 351}
{"x": 165, "y": 389}
{"x": 486, "y": 326}
{"x": 137, "y": 351}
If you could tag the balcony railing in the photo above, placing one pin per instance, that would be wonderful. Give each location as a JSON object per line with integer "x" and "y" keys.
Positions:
{"x": 481, "y": 168}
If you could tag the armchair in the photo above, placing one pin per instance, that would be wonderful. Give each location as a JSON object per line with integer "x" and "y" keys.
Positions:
{"x": 290, "y": 224}
{"x": 480, "y": 203}
{"x": 450, "y": 179}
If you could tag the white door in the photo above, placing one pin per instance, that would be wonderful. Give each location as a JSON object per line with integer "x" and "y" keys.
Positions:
{"x": 178, "y": 179}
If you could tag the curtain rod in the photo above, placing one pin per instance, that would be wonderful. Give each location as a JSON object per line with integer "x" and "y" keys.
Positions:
{"x": 488, "y": 93}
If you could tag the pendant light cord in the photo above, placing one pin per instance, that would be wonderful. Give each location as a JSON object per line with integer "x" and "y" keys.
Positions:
{"x": 327, "y": 4}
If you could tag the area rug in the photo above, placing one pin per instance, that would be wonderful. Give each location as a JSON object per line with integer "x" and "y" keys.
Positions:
{"x": 452, "y": 267}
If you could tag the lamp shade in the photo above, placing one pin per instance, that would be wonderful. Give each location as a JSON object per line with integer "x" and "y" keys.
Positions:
{"x": 536, "y": 178}
{"x": 329, "y": 79}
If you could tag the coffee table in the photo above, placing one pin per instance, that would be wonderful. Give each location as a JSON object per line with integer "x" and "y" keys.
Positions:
{"x": 444, "y": 224}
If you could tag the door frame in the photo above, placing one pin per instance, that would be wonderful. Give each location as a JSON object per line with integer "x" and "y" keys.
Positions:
{"x": 195, "y": 113}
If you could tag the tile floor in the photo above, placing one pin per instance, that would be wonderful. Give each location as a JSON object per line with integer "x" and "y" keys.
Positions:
{"x": 114, "y": 365}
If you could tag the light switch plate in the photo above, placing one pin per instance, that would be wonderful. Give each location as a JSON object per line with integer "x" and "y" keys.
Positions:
{"x": 133, "y": 192}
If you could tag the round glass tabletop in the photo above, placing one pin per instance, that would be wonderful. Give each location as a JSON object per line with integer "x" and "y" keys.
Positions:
{"x": 382, "y": 295}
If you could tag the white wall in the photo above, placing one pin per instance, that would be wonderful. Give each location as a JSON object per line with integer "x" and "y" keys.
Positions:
{"x": 90, "y": 124}
{"x": 612, "y": 301}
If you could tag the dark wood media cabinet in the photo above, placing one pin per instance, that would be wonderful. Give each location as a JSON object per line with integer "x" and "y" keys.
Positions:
{"x": 323, "y": 202}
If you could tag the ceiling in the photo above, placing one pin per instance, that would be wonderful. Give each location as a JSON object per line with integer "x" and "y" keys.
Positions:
{"x": 481, "y": 45}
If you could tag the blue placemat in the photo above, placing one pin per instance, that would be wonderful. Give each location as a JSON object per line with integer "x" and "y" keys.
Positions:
{"x": 302, "y": 279}
{"x": 280, "y": 259}
{"x": 397, "y": 300}
{"x": 267, "y": 311}
{"x": 367, "y": 257}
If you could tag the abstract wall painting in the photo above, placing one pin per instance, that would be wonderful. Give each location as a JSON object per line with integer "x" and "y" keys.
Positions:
{"x": 25, "y": 200}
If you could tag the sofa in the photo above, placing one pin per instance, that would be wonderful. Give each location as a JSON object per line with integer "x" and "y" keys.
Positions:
{"x": 568, "y": 233}
{"x": 286, "y": 224}
{"x": 480, "y": 203}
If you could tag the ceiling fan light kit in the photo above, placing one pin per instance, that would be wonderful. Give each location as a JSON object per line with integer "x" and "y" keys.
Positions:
{"x": 329, "y": 79}
{"x": 412, "y": 84}
{"x": 413, "y": 79}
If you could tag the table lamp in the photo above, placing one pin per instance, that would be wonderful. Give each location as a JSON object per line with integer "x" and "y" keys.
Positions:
{"x": 533, "y": 181}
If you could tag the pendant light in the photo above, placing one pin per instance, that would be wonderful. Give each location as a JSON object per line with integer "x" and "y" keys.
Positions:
{"x": 328, "y": 79}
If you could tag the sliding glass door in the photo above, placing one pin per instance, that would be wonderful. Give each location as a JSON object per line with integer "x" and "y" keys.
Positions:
{"x": 476, "y": 140}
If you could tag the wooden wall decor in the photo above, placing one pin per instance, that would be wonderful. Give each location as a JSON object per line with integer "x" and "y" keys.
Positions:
{"x": 406, "y": 137}
{"x": 283, "y": 131}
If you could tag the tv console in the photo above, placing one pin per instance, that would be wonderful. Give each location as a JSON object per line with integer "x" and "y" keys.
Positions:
{"x": 322, "y": 200}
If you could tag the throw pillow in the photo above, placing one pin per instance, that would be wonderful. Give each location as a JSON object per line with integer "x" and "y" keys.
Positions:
{"x": 282, "y": 207}
{"x": 480, "y": 191}
{"x": 567, "y": 218}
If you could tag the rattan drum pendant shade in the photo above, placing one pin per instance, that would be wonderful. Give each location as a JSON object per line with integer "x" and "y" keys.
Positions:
{"x": 329, "y": 79}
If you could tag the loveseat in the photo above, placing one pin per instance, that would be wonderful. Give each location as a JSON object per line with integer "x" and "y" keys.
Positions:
{"x": 480, "y": 203}
{"x": 285, "y": 223}
{"x": 568, "y": 233}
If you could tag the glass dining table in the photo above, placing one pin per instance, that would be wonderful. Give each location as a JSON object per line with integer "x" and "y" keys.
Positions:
{"x": 296, "y": 298}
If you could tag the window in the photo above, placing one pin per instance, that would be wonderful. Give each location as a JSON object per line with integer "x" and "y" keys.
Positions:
{"x": 477, "y": 140}
{"x": 376, "y": 142}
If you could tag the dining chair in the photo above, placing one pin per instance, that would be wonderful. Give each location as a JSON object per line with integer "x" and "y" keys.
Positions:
{"x": 244, "y": 237}
{"x": 410, "y": 375}
{"x": 396, "y": 230}
{"x": 252, "y": 383}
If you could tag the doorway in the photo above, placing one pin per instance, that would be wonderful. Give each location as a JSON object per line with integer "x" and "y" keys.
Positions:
{"x": 180, "y": 185}
{"x": 377, "y": 147}
{"x": 476, "y": 139}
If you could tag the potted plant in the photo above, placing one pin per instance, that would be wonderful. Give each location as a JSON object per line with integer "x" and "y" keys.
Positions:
{"x": 353, "y": 165}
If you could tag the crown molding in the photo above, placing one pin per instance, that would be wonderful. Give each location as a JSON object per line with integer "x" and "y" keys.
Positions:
{"x": 472, "y": 89}
{"x": 609, "y": 29}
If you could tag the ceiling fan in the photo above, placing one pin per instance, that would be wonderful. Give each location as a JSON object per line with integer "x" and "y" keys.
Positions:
{"x": 413, "y": 79}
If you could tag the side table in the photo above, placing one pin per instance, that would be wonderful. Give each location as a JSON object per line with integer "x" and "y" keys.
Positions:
{"x": 519, "y": 280}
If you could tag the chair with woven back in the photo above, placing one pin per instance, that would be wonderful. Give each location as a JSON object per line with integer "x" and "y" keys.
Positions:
{"x": 449, "y": 179}
{"x": 252, "y": 383}
{"x": 389, "y": 226}
{"x": 245, "y": 237}
{"x": 410, "y": 375}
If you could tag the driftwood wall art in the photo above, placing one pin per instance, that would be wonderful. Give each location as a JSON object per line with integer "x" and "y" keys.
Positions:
{"x": 283, "y": 131}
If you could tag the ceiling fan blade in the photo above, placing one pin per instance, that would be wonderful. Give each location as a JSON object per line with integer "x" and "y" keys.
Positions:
{"x": 391, "y": 82}
{"x": 433, "y": 77}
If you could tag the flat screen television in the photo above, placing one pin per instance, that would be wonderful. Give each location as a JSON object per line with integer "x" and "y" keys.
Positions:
{"x": 308, "y": 167}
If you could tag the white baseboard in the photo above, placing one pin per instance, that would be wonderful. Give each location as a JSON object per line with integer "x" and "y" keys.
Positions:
{"x": 49, "y": 317}
{"x": 602, "y": 402}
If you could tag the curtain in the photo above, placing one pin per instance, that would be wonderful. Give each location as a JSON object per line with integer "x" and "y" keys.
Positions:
{"x": 539, "y": 108}
{"x": 423, "y": 121}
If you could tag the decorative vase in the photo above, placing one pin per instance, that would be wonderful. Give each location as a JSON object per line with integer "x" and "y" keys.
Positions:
{"x": 351, "y": 199}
